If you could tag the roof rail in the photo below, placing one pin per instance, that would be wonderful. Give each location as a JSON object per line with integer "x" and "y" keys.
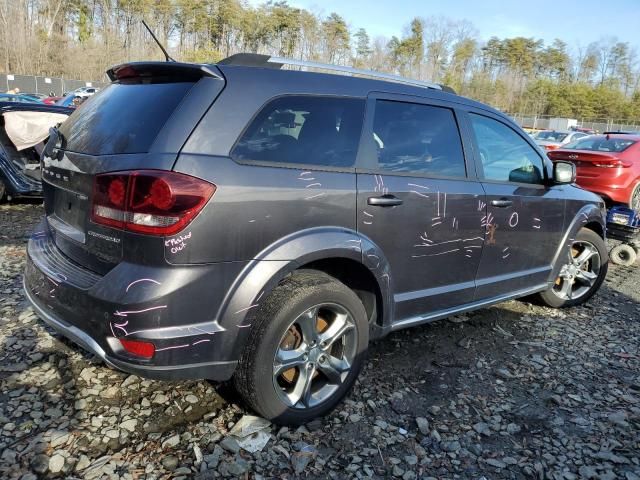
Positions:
{"x": 257, "y": 60}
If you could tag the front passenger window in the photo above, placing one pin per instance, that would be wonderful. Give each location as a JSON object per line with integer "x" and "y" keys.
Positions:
{"x": 505, "y": 156}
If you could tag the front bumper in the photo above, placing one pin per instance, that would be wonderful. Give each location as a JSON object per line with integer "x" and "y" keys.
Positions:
{"x": 96, "y": 311}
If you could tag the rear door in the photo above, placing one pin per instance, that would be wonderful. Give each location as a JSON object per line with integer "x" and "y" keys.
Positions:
{"x": 138, "y": 122}
{"x": 524, "y": 221}
{"x": 418, "y": 201}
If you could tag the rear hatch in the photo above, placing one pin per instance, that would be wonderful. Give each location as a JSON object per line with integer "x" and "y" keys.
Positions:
{"x": 140, "y": 121}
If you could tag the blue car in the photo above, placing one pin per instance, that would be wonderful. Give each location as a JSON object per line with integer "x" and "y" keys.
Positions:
{"x": 20, "y": 170}
{"x": 67, "y": 101}
{"x": 9, "y": 97}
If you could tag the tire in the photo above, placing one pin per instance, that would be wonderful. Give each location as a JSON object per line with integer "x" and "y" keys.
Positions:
{"x": 283, "y": 324}
{"x": 623, "y": 254}
{"x": 580, "y": 277}
{"x": 634, "y": 200}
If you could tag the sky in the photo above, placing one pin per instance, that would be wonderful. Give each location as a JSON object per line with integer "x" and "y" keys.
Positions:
{"x": 577, "y": 22}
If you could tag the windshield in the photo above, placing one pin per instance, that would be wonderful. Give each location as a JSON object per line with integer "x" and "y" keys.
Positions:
{"x": 551, "y": 136}
{"x": 601, "y": 144}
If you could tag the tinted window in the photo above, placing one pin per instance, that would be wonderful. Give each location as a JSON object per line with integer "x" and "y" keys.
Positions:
{"x": 322, "y": 131}
{"x": 601, "y": 144}
{"x": 504, "y": 154}
{"x": 417, "y": 138}
{"x": 122, "y": 118}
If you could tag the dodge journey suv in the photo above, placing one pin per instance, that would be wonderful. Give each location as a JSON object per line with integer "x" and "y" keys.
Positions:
{"x": 248, "y": 222}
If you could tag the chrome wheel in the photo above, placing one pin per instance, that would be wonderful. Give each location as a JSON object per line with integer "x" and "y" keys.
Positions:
{"x": 314, "y": 356}
{"x": 635, "y": 199}
{"x": 579, "y": 275}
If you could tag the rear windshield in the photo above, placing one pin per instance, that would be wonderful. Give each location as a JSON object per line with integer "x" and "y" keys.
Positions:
{"x": 601, "y": 144}
{"x": 551, "y": 136}
{"x": 122, "y": 118}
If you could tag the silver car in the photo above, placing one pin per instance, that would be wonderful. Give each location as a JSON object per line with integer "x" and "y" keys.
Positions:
{"x": 552, "y": 139}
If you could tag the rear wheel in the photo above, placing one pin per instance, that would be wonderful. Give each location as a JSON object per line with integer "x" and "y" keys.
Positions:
{"x": 623, "y": 254}
{"x": 583, "y": 271}
{"x": 305, "y": 349}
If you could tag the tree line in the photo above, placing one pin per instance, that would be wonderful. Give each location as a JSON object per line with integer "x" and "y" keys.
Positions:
{"x": 81, "y": 38}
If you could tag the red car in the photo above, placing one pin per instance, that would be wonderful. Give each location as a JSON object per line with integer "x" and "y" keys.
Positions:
{"x": 608, "y": 165}
{"x": 51, "y": 100}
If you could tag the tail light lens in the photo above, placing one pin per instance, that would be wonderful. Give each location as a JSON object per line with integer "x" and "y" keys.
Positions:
{"x": 615, "y": 163}
{"x": 138, "y": 348}
{"x": 149, "y": 201}
{"x": 551, "y": 147}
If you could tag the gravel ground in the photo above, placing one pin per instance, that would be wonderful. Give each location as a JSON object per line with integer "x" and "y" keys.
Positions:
{"x": 512, "y": 391}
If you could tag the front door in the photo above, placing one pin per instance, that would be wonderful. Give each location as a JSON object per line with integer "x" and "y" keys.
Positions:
{"x": 524, "y": 219}
{"x": 417, "y": 203}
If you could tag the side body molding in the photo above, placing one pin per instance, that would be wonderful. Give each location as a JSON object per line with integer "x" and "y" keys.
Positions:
{"x": 589, "y": 213}
{"x": 272, "y": 265}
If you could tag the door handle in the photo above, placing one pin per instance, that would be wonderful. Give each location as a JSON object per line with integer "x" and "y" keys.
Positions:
{"x": 384, "y": 201}
{"x": 501, "y": 203}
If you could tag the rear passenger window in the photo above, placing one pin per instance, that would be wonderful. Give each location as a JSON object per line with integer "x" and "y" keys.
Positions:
{"x": 417, "y": 138}
{"x": 322, "y": 131}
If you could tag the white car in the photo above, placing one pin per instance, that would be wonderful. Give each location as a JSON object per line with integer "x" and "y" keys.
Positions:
{"x": 85, "y": 91}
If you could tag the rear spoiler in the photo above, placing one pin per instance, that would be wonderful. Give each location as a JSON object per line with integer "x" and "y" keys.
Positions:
{"x": 165, "y": 70}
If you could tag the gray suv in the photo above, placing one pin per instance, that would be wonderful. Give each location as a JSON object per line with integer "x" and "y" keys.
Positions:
{"x": 243, "y": 221}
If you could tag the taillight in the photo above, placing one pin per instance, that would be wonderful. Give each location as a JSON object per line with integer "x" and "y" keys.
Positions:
{"x": 138, "y": 348}
{"x": 148, "y": 201}
{"x": 612, "y": 163}
{"x": 551, "y": 147}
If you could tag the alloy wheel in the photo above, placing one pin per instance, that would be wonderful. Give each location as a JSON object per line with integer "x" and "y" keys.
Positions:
{"x": 578, "y": 276}
{"x": 635, "y": 199}
{"x": 314, "y": 356}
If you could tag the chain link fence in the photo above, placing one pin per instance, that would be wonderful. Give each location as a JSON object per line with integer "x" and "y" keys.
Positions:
{"x": 542, "y": 122}
{"x": 44, "y": 85}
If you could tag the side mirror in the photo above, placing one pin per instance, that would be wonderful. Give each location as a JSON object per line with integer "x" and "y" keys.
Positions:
{"x": 564, "y": 173}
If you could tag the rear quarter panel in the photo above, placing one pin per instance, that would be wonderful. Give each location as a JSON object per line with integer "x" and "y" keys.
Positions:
{"x": 255, "y": 206}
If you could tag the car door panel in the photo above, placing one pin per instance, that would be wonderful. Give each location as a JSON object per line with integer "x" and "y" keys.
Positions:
{"x": 427, "y": 224}
{"x": 524, "y": 221}
{"x": 433, "y": 240}
{"x": 521, "y": 238}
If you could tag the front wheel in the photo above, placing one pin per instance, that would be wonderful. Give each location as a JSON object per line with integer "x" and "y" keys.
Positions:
{"x": 305, "y": 349}
{"x": 583, "y": 271}
{"x": 634, "y": 201}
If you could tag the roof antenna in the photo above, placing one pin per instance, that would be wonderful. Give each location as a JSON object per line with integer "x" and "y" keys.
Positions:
{"x": 166, "y": 55}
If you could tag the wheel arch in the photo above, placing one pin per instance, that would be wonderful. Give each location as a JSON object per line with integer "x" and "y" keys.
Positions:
{"x": 596, "y": 227}
{"x": 590, "y": 216}
{"x": 333, "y": 250}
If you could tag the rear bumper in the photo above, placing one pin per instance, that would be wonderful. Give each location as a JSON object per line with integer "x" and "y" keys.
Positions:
{"x": 173, "y": 312}
{"x": 212, "y": 370}
{"x": 607, "y": 184}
